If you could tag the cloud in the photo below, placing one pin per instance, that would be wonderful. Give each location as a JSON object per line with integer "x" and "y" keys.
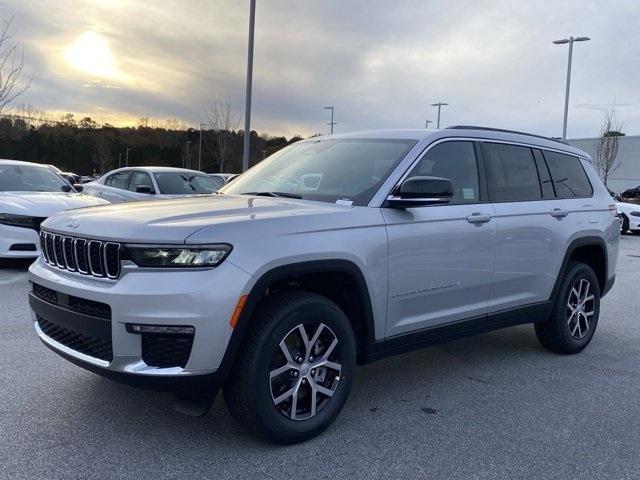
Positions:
{"x": 380, "y": 63}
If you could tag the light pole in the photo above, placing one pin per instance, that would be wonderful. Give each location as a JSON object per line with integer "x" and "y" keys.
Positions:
{"x": 200, "y": 147}
{"x": 120, "y": 160}
{"x": 426, "y": 124}
{"x": 570, "y": 41}
{"x": 439, "y": 105}
{"x": 247, "y": 98}
{"x": 331, "y": 123}
{"x": 189, "y": 142}
{"x": 126, "y": 156}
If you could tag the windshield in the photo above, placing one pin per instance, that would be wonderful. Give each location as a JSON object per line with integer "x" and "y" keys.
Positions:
{"x": 26, "y": 178}
{"x": 184, "y": 183}
{"x": 325, "y": 170}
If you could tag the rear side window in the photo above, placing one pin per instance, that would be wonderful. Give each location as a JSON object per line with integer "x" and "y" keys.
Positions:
{"x": 456, "y": 161}
{"x": 568, "y": 175}
{"x": 118, "y": 180}
{"x": 512, "y": 175}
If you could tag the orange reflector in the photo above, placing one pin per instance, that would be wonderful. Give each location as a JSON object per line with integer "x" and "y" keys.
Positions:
{"x": 236, "y": 313}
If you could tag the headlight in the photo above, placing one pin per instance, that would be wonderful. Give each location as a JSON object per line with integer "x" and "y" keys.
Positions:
{"x": 24, "y": 221}
{"x": 173, "y": 256}
{"x": 635, "y": 214}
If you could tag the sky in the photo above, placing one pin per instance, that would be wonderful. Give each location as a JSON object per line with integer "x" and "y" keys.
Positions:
{"x": 380, "y": 63}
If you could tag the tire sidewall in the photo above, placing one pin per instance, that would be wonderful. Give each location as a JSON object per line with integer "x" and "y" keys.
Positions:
{"x": 268, "y": 418}
{"x": 577, "y": 271}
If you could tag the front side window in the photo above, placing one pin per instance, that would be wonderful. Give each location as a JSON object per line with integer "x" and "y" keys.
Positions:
{"x": 512, "y": 175}
{"x": 184, "y": 183}
{"x": 569, "y": 177}
{"x": 328, "y": 170}
{"x": 140, "y": 179}
{"x": 119, "y": 180}
{"x": 455, "y": 161}
{"x": 26, "y": 178}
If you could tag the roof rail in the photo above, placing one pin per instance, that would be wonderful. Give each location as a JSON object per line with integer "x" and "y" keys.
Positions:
{"x": 502, "y": 130}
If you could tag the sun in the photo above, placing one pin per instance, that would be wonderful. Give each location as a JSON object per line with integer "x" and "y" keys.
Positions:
{"x": 90, "y": 54}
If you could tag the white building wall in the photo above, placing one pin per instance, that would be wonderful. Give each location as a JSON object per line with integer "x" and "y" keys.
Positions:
{"x": 628, "y": 173}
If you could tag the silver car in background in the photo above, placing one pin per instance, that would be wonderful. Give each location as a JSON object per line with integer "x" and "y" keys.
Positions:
{"x": 150, "y": 183}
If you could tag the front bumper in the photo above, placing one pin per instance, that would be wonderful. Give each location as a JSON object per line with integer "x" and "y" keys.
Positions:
{"x": 18, "y": 237}
{"x": 202, "y": 299}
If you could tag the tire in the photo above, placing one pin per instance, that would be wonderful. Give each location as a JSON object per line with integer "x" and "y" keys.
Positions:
{"x": 251, "y": 393}
{"x": 624, "y": 224}
{"x": 568, "y": 333}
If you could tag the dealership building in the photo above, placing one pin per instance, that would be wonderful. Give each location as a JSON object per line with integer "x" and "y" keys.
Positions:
{"x": 628, "y": 173}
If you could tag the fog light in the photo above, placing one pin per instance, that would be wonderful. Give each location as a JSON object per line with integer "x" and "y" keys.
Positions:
{"x": 165, "y": 329}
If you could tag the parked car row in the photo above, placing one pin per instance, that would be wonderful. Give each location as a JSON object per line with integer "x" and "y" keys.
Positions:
{"x": 32, "y": 192}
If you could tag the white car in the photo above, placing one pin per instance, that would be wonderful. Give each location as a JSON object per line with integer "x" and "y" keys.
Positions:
{"x": 629, "y": 214}
{"x": 29, "y": 194}
{"x": 145, "y": 183}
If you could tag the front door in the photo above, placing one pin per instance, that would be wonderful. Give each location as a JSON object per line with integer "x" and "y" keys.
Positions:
{"x": 441, "y": 257}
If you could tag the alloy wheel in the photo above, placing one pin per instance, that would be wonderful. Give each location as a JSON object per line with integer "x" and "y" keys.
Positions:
{"x": 580, "y": 308}
{"x": 305, "y": 370}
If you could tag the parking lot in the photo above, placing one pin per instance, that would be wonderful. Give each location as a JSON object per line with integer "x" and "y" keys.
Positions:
{"x": 493, "y": 406}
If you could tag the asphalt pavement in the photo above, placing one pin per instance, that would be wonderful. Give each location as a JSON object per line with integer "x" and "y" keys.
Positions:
{"x": 488, "y": 407}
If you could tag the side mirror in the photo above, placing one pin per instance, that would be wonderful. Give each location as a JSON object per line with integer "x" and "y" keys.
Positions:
{"x": 66, "y": 188}
{"x": 421, "y": 191}
{"x": 144, "y": 189}
{"x": 78, "y": 187}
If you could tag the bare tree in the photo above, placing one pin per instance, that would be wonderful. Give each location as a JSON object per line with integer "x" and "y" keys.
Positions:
{"x": 224, "y": 121}
{"x": 606, "y": 158}
{"x": 11, "y": 63}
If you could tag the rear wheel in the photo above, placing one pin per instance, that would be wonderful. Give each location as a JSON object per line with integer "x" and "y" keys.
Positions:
{"x": 295, "y": 369}
{"x": 575, "y": 313}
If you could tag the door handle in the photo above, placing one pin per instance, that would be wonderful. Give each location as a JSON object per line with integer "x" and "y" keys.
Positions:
{"x": 478, "y": 218}
{"x": 558, "y": 213}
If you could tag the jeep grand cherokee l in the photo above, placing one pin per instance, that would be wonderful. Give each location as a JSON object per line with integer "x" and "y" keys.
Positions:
{"x": 333, "y": 252}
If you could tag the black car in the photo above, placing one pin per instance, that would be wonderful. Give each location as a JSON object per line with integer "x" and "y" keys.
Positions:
{"x": 631, "y": 192}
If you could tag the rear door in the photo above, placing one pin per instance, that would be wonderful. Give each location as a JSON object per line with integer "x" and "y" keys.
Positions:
{"x": 530, "y": 239}
{"x": 441, "y": 256}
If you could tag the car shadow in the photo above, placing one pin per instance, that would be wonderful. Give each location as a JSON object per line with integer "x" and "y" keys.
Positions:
{"x": 430, "y": 379}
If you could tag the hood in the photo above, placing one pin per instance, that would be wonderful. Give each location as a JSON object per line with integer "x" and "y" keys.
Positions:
{"x": 172, "y": 221}
{"x": 44, "y": 204}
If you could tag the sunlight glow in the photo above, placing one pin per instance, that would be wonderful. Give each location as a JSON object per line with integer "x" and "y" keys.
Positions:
{"x": 90, "y": 54}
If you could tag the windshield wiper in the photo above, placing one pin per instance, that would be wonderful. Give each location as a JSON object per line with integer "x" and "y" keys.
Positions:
{"x": 274, "y": 194}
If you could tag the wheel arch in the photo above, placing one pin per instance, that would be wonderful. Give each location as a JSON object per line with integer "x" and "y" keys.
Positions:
{"x": 361, "y": 318}
{"x": 590, "y": 250}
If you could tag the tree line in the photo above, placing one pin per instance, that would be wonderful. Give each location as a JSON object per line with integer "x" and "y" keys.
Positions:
{"x": 85, "y": 147}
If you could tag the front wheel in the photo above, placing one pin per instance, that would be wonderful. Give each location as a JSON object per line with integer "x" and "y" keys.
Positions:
{"x": 575, "y": 313}
{"x": 295, "y": 369}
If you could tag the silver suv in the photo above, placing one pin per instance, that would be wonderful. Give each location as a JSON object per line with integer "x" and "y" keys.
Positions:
{"x": 335, "y": 251}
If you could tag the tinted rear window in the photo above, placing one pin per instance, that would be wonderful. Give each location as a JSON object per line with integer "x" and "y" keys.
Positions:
{"x": 568, "y": 175}
{"x": 511, "y": 173}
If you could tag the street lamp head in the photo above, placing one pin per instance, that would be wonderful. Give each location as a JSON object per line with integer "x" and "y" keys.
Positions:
{"x": 581, "y": 39}
{"x": 328, "y": 108}
{"x": 560, "y": 42}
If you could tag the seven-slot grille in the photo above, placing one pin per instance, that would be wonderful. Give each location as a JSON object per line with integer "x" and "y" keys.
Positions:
{"x": 84, "y": 256}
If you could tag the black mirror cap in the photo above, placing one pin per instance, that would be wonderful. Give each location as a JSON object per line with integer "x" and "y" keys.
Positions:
{"x": 144, "y": 189}
{"x": 421, "y": 191}
{"x": 66, "y": 188}
{"x": 78, "y": 187}
{"x": 426, "y": 187}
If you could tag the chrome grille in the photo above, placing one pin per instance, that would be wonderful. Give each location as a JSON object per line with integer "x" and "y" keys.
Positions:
{"x": 87, "y": 257}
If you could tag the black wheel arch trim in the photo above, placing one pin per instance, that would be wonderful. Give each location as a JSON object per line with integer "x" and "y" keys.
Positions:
{"x": 287, "y": 271}
{"x": 573, "y": 246}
